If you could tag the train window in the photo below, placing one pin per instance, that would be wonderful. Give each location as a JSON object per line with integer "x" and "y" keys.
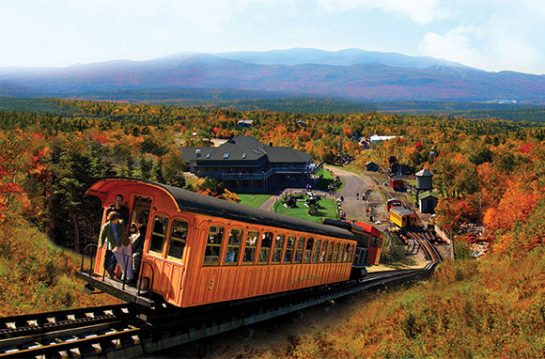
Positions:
{"x": 316, "y": 253}
{"x": 249, "y": 249}
{"x": 158, "y": 234}
{"x": 335, "y": 252}
{"x": 375, "y": 242}
{"x": 323, "y": 254}
{"x": 265, "y": 251}
{"x": 278, "y": 248}
{"x": 178, "y": 237}
{"x": 299, "y": 250}
{"x": 330, "y": 252}
{"x": 348, "y": 254}
{"x": 288, "y": 256}
{"x": 233, "y": 246}
{"x": 341, "y": 252}
{"x": 308, "y": 250}
{"x": 213, "y": 246}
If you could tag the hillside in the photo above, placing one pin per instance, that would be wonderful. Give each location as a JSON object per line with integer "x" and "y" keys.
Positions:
{"x": 349, "y": 74}
{"x": 38, "y": 276}
{"x": 488, "y": 174}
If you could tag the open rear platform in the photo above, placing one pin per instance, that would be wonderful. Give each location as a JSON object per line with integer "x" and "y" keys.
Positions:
{"x": 115, "y": 288}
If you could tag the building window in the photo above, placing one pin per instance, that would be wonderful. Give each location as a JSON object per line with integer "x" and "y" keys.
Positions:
{"x": 249, "y": 249}
{"x": 233, "y": 246}
{"x": 178, "y": 238}
{"x": 158, "y": 234}
{"x": 213, "y": 246}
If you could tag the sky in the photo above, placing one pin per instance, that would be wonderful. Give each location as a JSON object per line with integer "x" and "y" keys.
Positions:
{"x": 494, "y": 35}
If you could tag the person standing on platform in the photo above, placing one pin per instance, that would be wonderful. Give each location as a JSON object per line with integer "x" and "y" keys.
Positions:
{"x": 118, "y": 247}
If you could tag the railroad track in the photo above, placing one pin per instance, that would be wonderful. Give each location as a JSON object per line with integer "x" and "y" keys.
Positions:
{"x": 103, "y": 331}
{"x": 67, "y": 330}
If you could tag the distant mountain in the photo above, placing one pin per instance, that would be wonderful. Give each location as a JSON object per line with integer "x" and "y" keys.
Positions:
{"x": 348, "y": 74}
{"x": 347, "y": 57}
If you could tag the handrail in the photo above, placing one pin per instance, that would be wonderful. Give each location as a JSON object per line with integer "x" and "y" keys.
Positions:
{"x": 85, "y": 249}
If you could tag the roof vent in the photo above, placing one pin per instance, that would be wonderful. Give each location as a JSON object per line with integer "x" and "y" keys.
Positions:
{"x": 225, "y": 155}
{"x": 243, "y": 155}
{"x": 208, "y": 155}
{"x": 198, "y": 152}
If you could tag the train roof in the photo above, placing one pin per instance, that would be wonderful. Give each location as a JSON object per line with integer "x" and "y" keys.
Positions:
{"x": 402, "y": 211}
{"x": 193, "y": 202}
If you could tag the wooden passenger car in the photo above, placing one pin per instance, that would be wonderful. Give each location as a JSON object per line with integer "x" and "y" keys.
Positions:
{"x": 200, "y": 250}
{"x": 403, "y": 217}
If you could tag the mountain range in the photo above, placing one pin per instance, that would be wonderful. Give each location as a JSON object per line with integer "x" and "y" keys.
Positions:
{"x": 350, "y": 74}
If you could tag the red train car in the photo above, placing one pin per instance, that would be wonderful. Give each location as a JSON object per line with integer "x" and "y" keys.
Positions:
{"x": 368, "y": 238}
{"x": 201, "y": 250}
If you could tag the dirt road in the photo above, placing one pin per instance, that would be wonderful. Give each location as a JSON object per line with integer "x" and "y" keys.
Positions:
{"x": 354, "y": 205}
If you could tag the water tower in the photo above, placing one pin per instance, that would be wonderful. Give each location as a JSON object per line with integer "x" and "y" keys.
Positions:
{"x": 423, "y": 182}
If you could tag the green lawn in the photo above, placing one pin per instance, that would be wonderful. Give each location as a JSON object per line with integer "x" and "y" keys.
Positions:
{"x": 328, "y": 210}
{"x": 253, "y": 199}
{"x": 327, "y": 178}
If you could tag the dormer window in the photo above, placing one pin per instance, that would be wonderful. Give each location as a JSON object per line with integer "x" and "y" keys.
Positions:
{"x": 225, "y": 155}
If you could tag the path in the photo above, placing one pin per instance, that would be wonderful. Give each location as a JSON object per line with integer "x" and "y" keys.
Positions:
{"x": 268, "y": 204}
{"x": 354, "y": 184}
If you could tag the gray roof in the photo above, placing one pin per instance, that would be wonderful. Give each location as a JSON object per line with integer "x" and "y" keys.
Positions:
{"x": 427, "y": 195}
{"x": 243, "y": 148}
{"x": 424, "y": 173}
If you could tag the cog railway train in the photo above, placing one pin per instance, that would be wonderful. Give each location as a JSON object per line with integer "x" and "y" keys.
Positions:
{"x": 201, "y": 250}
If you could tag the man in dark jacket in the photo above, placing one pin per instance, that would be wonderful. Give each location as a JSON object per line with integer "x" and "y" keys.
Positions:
{"x": 120, "y": 208}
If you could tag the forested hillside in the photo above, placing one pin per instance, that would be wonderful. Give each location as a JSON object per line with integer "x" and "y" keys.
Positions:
{"x": 487, "y": 172}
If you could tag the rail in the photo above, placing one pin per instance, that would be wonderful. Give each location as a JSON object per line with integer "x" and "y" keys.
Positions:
{"x": 122, "y": 331}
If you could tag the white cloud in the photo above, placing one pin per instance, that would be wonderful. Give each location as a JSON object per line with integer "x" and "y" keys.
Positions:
{"x": 495, "y": 45}
{"x": 420, "y": 11}
{"x": 454, "y": 45}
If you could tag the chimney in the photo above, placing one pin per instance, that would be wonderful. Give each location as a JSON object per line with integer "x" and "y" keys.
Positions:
{"x": 270, "y": 144}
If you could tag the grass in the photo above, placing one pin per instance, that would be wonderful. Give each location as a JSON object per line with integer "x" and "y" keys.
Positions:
{"x": 482, "y": 309}
{"x": 36, "y": 275}
{"x": 253, "y": 199}
{"x": 326, "y": 180}
{"x": 328, "y": 209}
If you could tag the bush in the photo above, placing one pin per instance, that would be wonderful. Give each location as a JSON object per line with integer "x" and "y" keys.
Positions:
{"x": 393, "y": 251}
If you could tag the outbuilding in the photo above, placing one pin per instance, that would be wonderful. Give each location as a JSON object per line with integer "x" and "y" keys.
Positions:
{"x": 371, "y": 166}
{"x": 427, "y": 202}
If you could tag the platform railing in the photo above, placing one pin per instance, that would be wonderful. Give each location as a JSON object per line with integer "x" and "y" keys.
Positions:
{"x": 86, "y": 249}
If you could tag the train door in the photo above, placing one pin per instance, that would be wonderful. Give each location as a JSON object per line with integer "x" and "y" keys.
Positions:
{"x": 139, "y": 219}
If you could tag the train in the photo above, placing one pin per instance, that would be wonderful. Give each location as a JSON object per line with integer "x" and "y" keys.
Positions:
{"x": 200, "y": 250}
{"x": 400, "y": 215}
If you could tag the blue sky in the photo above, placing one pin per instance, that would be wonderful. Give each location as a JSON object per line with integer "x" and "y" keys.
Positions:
{"x": 489, "y": 34}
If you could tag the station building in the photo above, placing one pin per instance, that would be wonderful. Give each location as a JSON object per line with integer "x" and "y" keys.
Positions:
{"x": 244, "y": 164}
